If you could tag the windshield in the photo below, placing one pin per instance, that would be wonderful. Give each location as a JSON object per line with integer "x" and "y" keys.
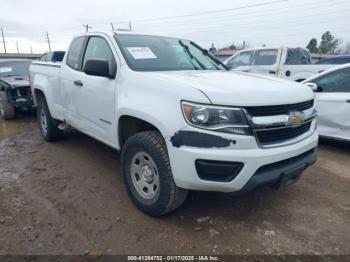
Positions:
{"x": 155, "y": 53}
{"x": 14, "y": 68}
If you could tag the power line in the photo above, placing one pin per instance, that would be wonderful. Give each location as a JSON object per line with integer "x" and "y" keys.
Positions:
{"x": 277, "y": 23}
{"x": 239, "y": 17}
{"x": 209, "y": 12}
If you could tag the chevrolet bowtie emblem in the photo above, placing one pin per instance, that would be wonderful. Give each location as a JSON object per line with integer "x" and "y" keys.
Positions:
{"x": 296, "y": 118}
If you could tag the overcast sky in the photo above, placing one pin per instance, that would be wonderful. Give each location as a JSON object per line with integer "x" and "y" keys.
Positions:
{"x": 222, "y": 22}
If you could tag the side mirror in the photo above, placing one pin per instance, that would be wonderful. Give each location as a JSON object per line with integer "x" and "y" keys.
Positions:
{"x": 313, "y": 86}
{"x": 97, "y": 67}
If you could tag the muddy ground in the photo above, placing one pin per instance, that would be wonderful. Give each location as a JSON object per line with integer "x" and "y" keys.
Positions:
{"x": 68, "y": 197}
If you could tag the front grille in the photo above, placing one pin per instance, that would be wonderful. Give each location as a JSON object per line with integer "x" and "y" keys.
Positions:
{"x": 278, "y": 109}
{"x": 280, "y": 135}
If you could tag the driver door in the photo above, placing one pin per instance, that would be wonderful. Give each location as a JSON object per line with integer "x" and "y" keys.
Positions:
{"x": 95, "y": 95}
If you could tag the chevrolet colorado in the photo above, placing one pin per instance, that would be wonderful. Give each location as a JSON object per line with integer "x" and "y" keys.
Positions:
{"x": 181, "y": 120}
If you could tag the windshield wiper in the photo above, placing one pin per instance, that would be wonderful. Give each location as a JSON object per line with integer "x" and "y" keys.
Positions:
{"x": 192, "y": 57}
{"x": 206, "y": 53}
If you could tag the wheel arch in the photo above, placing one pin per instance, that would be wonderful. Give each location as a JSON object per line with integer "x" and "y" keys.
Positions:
{"x": 129, "y": 125}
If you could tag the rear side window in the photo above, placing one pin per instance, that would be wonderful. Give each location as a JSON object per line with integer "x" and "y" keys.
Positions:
{"x": 74, "y": 53}
{"x": 265, "y": 57}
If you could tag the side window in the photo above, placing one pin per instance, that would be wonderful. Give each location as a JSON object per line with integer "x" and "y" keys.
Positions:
{"x": 335, "y": 82}
{"x": 98, "y": 48}
{"x": 241, "y": 59}
{"x": 43, "y": 57}
{"x": 73, "y": 57}
{"x": 265, "y": 57}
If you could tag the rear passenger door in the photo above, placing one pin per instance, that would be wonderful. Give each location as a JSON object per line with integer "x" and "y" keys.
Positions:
{"x": 95, "y": 95}
{"x": 333, "y": 99}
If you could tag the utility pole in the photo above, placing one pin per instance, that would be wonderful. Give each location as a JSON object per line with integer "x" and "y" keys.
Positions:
{"x": 130, "y": 28}
{"x": 112, "y": 26}
{"x": 87, "y": 27}
{"x": 31, "y": 50}
{"x": 244, "y": 44}
{"x": 48, "y": 40}
{"x": 3, "y": 39}
{"x": 17, "y": 47}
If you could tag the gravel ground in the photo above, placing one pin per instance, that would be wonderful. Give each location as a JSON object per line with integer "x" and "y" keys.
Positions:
{"x": 68, "y": 197}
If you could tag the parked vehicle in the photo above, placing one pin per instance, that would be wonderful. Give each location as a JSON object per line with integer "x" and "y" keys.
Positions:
{"x": 55, "y": 56}
{"x": 337, "y": 60}
{"x": 285, "y": 62}
{"x": 15, "y": 92}
{"x": 181, "y": 120}
{"x": 332, "y": 90}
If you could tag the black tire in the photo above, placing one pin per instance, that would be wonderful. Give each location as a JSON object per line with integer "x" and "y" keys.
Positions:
{"x": 168, "y": 196}
{"x": 49, "y": 131}
{"x": 7, "y": 111}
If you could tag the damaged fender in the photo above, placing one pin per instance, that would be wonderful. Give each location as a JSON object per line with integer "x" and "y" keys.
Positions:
{"x": 197, "y": 139}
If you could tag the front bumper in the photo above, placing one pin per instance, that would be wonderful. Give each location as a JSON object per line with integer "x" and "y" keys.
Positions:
{"x": 183, "y": 159}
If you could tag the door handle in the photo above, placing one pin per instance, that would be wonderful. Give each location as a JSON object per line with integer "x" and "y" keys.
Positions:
{"x": 348, "y": 101}
{"x": 272, "y": 72}
{"x": 78, "y": 83}
{"x": 246, "y": 71}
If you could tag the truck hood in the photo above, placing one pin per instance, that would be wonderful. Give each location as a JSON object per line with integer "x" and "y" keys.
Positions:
{"x": 239, "y": 89}
{"x": 16, "y": 81}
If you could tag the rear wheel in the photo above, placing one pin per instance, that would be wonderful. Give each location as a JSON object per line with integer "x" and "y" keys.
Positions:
{"x": 7, "y": 111}
{"x": 147, "y": 174}
{"x": 48, "y": 126}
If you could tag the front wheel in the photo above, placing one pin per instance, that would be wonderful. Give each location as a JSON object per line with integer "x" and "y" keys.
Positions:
{"x": 7, "y": 110}
{"x": 147, "y": 174}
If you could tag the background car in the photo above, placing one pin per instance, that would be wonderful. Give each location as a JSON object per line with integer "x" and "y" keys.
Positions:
{"x": 55, "y": 56}
{"x": 332, "y": 89}
{"x": 337, "y": 60}
{"x": 15, "y": 93}
{"x": 284, "y": 62}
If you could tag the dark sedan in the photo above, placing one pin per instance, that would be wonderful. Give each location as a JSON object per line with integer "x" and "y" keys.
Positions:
{"x": 336, "y": 60}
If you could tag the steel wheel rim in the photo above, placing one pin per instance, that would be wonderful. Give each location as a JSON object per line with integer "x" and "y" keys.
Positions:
{"x": 43, "y": 121}
{"x": 144, "y": 175}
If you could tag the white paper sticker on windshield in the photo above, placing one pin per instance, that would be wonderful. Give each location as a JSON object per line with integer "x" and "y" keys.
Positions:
{"x": 141, "y": 52}
{"x": 5, "y": 69}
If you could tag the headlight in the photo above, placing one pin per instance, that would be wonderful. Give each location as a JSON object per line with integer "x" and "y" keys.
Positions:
{"x": 220, "y": 119}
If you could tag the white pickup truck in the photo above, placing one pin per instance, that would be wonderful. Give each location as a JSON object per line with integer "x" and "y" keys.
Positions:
{"x": 181, "y": 120}
{"x": 285, "y": 62}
